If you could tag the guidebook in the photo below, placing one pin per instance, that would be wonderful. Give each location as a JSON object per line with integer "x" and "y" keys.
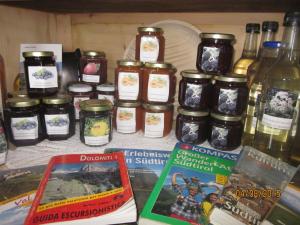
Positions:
{"x": 84, "y": 189}
{"x": 188, "y": 187}
{"x": 252, "y": 189}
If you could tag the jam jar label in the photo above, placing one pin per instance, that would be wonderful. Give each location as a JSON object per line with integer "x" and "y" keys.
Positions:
{"x": 126, "y": 120}
{"x": 279, "y": 108}
{"x": 227, "y": 100}
{"x": 189, "y": 132}
{"x": 57, "y": 124}
{"x": 77, "y": 101}
{"x": 110, "y": 98}
{"x": 158, "y": 87}
{"x": 25, "y": 128}
{"x": 149, "y": 49}
{"x": 42, "y": 76}
{"x": 96, "y": 131}
{"x": 219, "y": 136}
{"x": 128, "y": 85}
{"x": 91, "y": 78}
{"x": 210, "y": 59}
{"x": 193, "y": 95}
{"x": 154, "y": 124}
{"x": 3, "y": 146}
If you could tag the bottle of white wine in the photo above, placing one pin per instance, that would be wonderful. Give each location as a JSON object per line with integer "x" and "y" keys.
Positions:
{"x": 279, "y": 102}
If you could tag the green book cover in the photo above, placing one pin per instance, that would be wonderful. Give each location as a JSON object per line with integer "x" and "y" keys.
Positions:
{"x": 189, "y": 186}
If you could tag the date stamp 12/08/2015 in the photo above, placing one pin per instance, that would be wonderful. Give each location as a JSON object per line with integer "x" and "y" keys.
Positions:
{"x": 258, "y": 193}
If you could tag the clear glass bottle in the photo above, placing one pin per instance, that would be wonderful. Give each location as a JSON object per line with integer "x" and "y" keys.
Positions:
{"x": 249, "y": 50}
{"x": 279, "y": 102}
{"x": 268, "y": 57}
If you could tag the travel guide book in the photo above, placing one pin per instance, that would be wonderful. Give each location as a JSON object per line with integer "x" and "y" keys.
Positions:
{"x": 253, "y": 188}
{"x": 189, "y": 186}
{"x": 84, "y": 189}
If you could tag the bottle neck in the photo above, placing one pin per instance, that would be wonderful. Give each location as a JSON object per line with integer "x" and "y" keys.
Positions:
{"x": 290, "y": 49}
{"x": 250, "y": 46}
{"x": 265, "y": 36}
{"x": 270, "y": 52}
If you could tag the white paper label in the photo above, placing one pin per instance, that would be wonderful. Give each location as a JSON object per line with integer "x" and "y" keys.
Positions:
{"x": 96, "y": 140}
{"x": 57, "y": 124}
{"x": 3, "y": 156}
{"x": 228, "y": 100}
{"x": 111, "y": 98}
{"x": 42, "y": 76}
{"x": 77, "y": 101}
{"x": 97, "y": 130}
{"x": 149, "y": 49}
{"x": 126, "y": 120}
{"x": 128, "y": 85}
{"x": 158, "y": 87}
{"x": 276, "y": 122}
{"x": 190, "y": 132}
{"x": 91, "y": 78}
{"x": 193, "y": 95}
{"x": 154, "y": 124}
{"x": 254, "y": 120}
{"x": 25, "y": 128}
{"x": 210, "y": 59}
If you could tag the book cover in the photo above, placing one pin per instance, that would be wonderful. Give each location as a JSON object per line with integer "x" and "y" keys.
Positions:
{"x": 84, "y": 189}
{"x": 17, "y": 191}
{"x": 253, "y": 188}
{"x": 188, "y": 187}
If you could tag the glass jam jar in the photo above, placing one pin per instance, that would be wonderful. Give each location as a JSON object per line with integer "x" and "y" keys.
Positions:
{"x": 215, "y": 53}
{"x": 159, "y": 83}
{"x": 106, "y": 91}
{"x": 157, "y": 120}
{"x": 59, "y": 117}
{"x": 192, "y": 126}
{"x": 229, "y": 95}
{"x": 128, "y": 79}
{"x": 194, "y": 90}
{"x": 95, "y": 122}
{"x": 93, "y": 67}
{"x": 23, "y": 121}
{"x": 80, "y": 92}
{"x": 150, "y": 44}
{"x": 225, "y": 132}
{"x": 128, "y": 117}
{"x": 41, "y": 74}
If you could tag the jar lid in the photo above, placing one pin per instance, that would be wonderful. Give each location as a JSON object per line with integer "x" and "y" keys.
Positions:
{"x": 80, "y": 87}
{"x": 129, "y": 62}
{"x": 232, "y": 78}
{"x": 192, "y": 113}
{"x": 105, "y": 87}
{"x": 272, "y": 44}
{"x": 225, "y": 118}
{"x": 270, "y": 25}
{"x": 38, "y": 54}
{"x": 93, "y": 53}
{"x": 129, "y": 104}
{"x": 253, "y": 27}
{"x": 58, "y": 99}
{"x": 217, "y": 36}
{"x": 160, "y": 65}
{"x": 22, "y": 102}
{"x": 195, "y": 74}
{"x": 157, "y": 107}
{"x": 150, "y": 29}
{"x": 95, "y": 105}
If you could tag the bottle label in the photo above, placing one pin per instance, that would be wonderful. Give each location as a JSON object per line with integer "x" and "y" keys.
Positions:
{"x": 190, "y": 132}
{"x": 128, "y": 85}
{"x": 149, "y": 49}
{"x": 210, "y": 59}
{"x": 77, "y": 101}
{"x": 126, "y": 120}
{"x": 3, "y": 146}
{"x": 158, "y": 87}
{"x": 96, "y": 131}
{"x": 25, "y": 128}
{"x": 91, "y": 78}
{"x": 57, "y": 124}
{"x": 91, "y": 68}
{"x": 3, "y": 157}
{"x": 227, "y": 100}
{"x": 154, "y": 124}
{"x": 193, "y": 95}
{"x": 219, "y": 136}
{"x": 110, "y": 98}
{"x": 42, "y": 76}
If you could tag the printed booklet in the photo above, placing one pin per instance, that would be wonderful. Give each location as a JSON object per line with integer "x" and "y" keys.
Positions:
{"x": 188, "y": 187}
{"x": 84, "y": 189}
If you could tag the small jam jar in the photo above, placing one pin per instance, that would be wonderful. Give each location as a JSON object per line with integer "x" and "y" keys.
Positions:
{"x": 192, "y": 126}
{"x": 194, "y": 90}
{"x": 95, "y": 122}
{"x": 229, "y": 95}
{"x": 215, "y": 53}
{"x": 59, "y": 117}
{"x": 150, "y": 44}
{"x": 128, "y": 79}
{"x": 93, "y": 67}
{"x": 225, "y": 132}
{"x": 23, "y": 121}
{"x": 80, "y": 92}
{"x": 41, "y": 74}
{"x": 157, "y": 120}
{"x": 159, "y": 83}
{"x": 106, "y": 91}
{"x": 128, "y": 117}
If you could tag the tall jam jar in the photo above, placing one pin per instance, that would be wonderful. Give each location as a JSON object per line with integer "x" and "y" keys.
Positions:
{"x": 106, "y": 91}
{"x": 150, "y": 44}
{"x": 128, "y": 79}
{"x": 93, "y": 67}
{"x": 194, "y": 90}
{"x": 40, "y": 73}
{"x": 159, "y": 83}
{"x": 23, "y": 121}
{"x": 215, "y": 53}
